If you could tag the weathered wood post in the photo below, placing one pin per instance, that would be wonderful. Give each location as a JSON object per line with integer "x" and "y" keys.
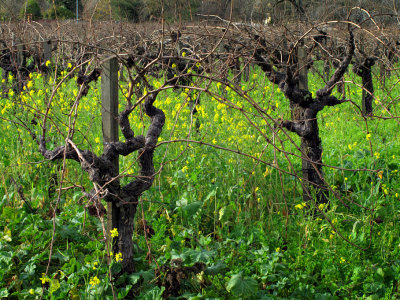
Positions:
{"x": 382, "y": 74}
{"x": 303, "y": 70}
{"x": 46, "y": 57}
{"x": 19, "y": 48}
{"x": 327, "y": 64}
{"x": 18, "y": 60}
{"x": 246, "y": 71}
{"x": 109, "y": 111}
{"x": 20, "y": 54}
{"x": 47, "y": 51}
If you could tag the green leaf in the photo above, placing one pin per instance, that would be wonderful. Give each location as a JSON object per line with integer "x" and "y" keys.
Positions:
{"x": 380, "y": 272}
{"x": 76, "y": 196}
{"x": 182, "y": 202}
{"x": 360, "y": 154}
{"x": 146, "y": 275}
{"x": 192, "y": 208}
{"x": 217, "y": 268}
{"x": 9, "y": 213}
{"x": 201, "y": 255}
{"x": 154, "y": 294}
{"x": 4, "y": 292}
{"x": 116, "y": 268}
{"x": 60, "y": 256}
{"x": 222, "y": 213}
{"x": 374, "y": 297}
{"x": 124, "y": 291}
{"x": 134, "y": 278}
{"x": 325, "y": 296}
{"x": 347, "y": 164}
{"x": 242, "y": 286}
{"x": 54, "y": 285}
{"x": 211, "y": 194}
{"x": 30, "y": 269}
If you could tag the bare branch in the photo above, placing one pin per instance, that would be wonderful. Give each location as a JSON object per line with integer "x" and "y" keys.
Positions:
{"x": 327, "y": 90}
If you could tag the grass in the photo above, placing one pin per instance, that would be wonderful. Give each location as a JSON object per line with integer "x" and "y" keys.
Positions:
{"x": 242, "y": 218}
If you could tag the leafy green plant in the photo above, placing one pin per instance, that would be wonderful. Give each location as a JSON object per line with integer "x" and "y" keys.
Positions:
{"x": 244, "y": 220}
{"x": 32, "y": 7}
{"x": 240, "y": 286}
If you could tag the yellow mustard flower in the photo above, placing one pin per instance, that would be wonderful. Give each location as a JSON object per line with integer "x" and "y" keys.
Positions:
{"x": 114, "y": 232}
{"x": 94, "y": 281}
{"x": 301, "y": 205}
{"x": 44, "y": 278}
{"x": 118, "y": 257}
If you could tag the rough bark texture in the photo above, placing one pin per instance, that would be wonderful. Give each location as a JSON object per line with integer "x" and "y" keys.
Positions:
{"x": 304, "y": 116}
{"x": 102, "y": 172}
{"x": 364, "y": 71}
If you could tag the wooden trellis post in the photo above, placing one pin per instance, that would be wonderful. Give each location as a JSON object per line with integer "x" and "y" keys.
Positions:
{"x": 20, "y": 54}
{"x": 109, "y": 111}
{"x": 303, "y": 71}
{"x": 47, "y": 51}
{"x": 18, "y": 49}
{"x": 246, "y": 71}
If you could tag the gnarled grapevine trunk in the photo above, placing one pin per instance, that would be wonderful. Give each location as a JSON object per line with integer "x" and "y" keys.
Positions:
{"x": 126, "y": 224}
{"x": 304, "y": 117}
{"x": 364, "y": 71}
{"x": 103, "y": 172}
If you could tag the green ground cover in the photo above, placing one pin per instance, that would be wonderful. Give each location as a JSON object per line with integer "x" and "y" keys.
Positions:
{"x": 242, "y": 217}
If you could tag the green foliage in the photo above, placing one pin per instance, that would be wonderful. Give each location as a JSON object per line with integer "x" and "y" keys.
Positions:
{"x": 243, "y": 220}
{"x": 241, "y": 286}
{"x": 62, "y": 9}
{"x": 69, "y": 4}
{"x": 3, "y": 15}
{"x": 141, "y": 10}
{"x": 59, "y": 12}
{"x": 32, "y": 7}
{"x": 129, "y": 10}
